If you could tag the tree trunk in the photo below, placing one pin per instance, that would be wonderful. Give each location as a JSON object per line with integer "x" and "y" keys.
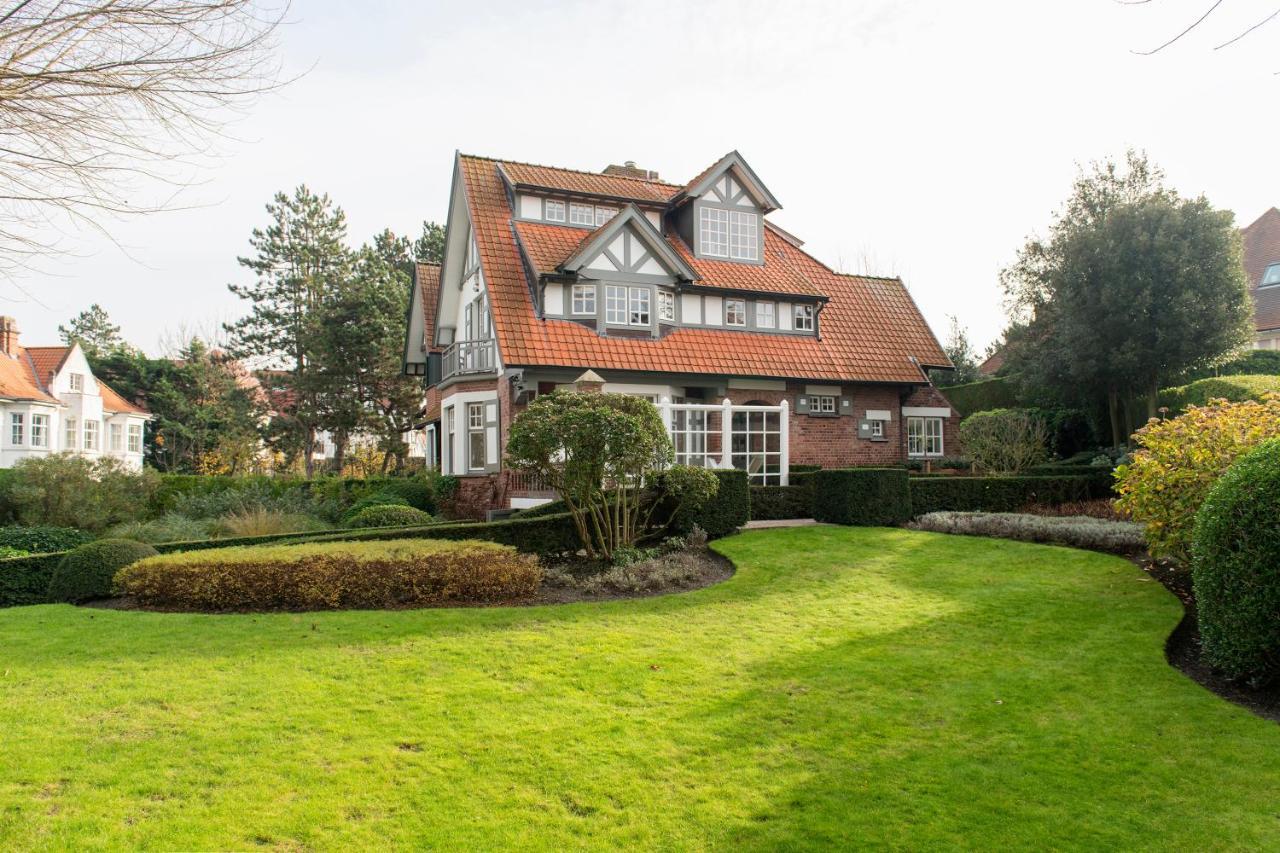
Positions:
{"x": 1113, "y": 410}
{"x": 308, "y": 447}
{"x": 339, "y": 451}
{"x": 1153, "y": 400}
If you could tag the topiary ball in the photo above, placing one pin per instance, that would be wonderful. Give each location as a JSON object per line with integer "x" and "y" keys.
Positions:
{"x": 415, "y": 491}
{"x": 383, "y": 498}
{"x": 1236, "y": 567}
{"x": 89, "y": 571}
{"x": 389, "y": 515}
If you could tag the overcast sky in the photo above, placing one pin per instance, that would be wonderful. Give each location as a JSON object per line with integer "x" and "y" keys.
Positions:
{"x": 921, "y": 139}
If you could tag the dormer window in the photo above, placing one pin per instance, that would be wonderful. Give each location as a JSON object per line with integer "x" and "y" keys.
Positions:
{"x": 582, "y": 214}
{"x": 729, "y": 234}
{"x": 1270, "y": 276}
{"x": 804, "y": 318}
{"x": 604, "y": 214}
{"x": 735, "y": 312}
{"x": 554, "y": 211}
{"x": 77, "y": 382}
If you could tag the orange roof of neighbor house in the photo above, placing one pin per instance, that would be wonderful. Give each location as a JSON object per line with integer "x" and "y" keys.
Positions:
{"x": 18, "y": 380}
{"x": 871, "y": 328}
{"x": 113, "y": 402}
{"x": 428, "y": 276}
{"x": 46, "y": 361}
{"x": 27, "y": 377}
{"x": 1261, "y": 240}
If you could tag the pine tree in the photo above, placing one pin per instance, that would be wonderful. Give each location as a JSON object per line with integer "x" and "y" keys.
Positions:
{"x": 94, "y": 331}
{"x": 429, "y": 248}
{"x": 300, "y": 257}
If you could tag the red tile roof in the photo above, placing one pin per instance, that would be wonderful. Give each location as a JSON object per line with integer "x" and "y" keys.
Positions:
{"x": 871, "y": 329}
{"x": 28, "y": 376}
{"x": 428, "y": 276}
{"x": 113, "y": 402}
{"x": 1261, "y": 249}
{"x": 47, "y": 360}
{"x": 18, "y": 379}
{"x": 587, "y": 183}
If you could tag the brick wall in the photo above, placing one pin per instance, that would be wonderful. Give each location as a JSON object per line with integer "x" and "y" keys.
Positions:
{"x": 930, "y": 396}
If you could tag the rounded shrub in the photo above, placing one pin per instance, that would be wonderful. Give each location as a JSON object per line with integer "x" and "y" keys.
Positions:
{"x": 381, "y": 498}
{"x": 88, "y": 571}
{"x": 1236, "y": 567}
{"x": 43, "y": 539}
{"x": 389, "y": 515}
{"x": 415, "y": 491}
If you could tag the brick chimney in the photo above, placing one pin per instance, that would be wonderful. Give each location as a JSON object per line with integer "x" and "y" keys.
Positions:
{"x": 9, "y": 336}
{"x": 629, "y": 169}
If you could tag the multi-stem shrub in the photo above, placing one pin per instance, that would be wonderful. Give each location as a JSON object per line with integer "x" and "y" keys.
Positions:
{"x": 86, "y": 573}
{"x": 334, "y": 575}
{"x": 67, "y": 490}
{"x": 1236, "y": 567}
{"x": 389, "y": 515}
{"x": 1005, "y": 441}
{"x": 1179, "y": 460}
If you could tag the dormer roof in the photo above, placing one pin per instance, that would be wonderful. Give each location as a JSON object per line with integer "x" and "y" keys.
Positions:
{"x": 598, "y": 242}
{"x": 619, "y": 188}
{"x": 734, "y": 164}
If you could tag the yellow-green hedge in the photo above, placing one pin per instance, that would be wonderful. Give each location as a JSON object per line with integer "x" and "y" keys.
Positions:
{"x": 333, "y": 576}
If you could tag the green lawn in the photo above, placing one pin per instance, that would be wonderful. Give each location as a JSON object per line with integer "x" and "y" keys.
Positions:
{"x": 848, "y": 686}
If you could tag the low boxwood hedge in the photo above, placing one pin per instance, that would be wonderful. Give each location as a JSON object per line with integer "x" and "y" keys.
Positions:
{"x": 25, "y": 580}
{"x": 334, "y": 575}
{"x": 1002, "y": 494}
{"x": 780, "y": 502}
{"x": 43, "y": 539}
{"x": 389, "y": 515}
{"x": 724, "y": 513}
{"x": 861, "y": 496}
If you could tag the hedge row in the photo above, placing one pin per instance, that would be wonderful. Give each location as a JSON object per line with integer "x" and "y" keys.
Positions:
{"x": 779, "y": 502}
{"x": 863, "y": 496}
{"x": 346, "y": 490}
{"x": 727, "y": 511}
{"x": 1001, "y": 494}
{"x": 982, "y": 396}
{"x": 1235, "y": 389}
{"x": 25, "y": 580}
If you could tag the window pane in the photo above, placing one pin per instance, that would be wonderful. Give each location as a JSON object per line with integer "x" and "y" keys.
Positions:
{"x": 615, "y": 306}
{"x": 639, "y": 306}
{"x": 475, "y": 460}
{"x": 1272, "y": 275}
{"x": 765, "y": 315}
{"x": 743, "y": 236}
{"x": 666, "y": 305}
{"x": 604, "y": 214}
{"x": 713, "y": 235}
{"x": 735, "y": 312}
{"x": 804, "y": 317}
{"x": 555, "y": 211}
{"x": 584, "y": 299}
{"x": 582, "y": 214}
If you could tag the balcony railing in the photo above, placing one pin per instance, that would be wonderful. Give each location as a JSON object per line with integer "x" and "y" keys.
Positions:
{"x": 465, "y": 357}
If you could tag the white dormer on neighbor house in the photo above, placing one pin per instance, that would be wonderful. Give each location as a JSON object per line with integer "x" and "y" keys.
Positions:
{"x": 51, "y": 402}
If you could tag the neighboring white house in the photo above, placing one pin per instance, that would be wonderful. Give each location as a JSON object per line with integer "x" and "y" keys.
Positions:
{"x": 51, "y": 402}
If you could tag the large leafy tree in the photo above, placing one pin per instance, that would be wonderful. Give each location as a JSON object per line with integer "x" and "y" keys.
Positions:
{"x": 1133, "y": 285}
{"x": 299, "y": 259}
{"x": 960, "y": 350}
{"x": 93, "y": 330}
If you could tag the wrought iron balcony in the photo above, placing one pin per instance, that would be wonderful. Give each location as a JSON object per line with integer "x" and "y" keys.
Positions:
{"x": 465, "y": 357}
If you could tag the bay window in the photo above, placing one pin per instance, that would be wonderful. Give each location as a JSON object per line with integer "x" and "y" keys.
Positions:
{"x": 17, "y": 428}
{"x": 39, "y": 430}
{"x": 475, "y": 436}
{"x": 135, "y": 438}
{"x": 115, "y": 437}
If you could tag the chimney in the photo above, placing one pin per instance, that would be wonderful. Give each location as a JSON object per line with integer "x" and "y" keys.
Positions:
{"x": 629, "y": 170}
{"x": 9, "y": 336}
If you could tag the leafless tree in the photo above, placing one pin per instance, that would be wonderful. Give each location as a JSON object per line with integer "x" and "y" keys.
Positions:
{"x": 104, "y": 101}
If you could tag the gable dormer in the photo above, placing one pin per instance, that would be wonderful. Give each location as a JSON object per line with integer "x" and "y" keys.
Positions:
{"x": 720, "y": 214}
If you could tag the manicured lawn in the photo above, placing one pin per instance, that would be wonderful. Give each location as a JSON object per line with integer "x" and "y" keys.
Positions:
{"x": 847, "y": 687}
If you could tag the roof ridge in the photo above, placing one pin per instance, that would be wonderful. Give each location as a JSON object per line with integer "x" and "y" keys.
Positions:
{"x": 574, "y": 171}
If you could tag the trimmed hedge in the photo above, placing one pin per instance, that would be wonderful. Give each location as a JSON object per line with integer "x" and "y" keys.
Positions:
{"x": 1236, "y": 567}
{"x": 776, "y": 502}
{"x": 389, "y": 515}
{"x": 87, "y": 572}
{"x": 1234, "y": 389}
{"x": 336, "y": 575}
{"x": 1002, "y": 494}
{"x": 724, "y": 513}
{"x": 982, "y": 396}
{"x": 43, "y": 539}
{"x": 25, "y": 580}
{"x": 862, "y": 496}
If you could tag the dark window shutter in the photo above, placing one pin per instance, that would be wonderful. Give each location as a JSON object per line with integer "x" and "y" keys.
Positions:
{"x": 845, "y": 406}
{"x": 802, "y": 404}
{"x": 491, "y": 448}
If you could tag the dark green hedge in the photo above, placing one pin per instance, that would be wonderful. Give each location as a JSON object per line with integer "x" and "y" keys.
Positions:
{"x": 861, "y": 496}
{"x": 727, "y": 511}
{"x": 983, "y": 396}
{"x": 1235, "y": 389}
{"x": 25, "y": 580}
{"x": 773, "y": 502}
{"x": 1001, "y": 494}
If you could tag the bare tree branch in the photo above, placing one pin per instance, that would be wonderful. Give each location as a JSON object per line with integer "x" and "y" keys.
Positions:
{"x": 101, "y": 101}
{"x": 1197, "y": 23}
{"x": 1246, "y": 32}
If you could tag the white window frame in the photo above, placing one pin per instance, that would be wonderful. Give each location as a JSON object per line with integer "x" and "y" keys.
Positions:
{"x": 583, "y": 300}
{"x": 134, "y": 438}
{"x": 39, "y": 430}
{"x": 77, "y": 382}
{"x": 802, "y": 319}
{"x": 1270, "y": 276}
{"x": 766, "y": 315}
{"x": 604, "y": 214}
{"x": 92, "y": 430}
{"x": 877, "y": 429}
{"x": 823, "y": 404}
{"x": 744, "y": 235}
{"x": 735, "y": 308}
{"x": 553, "y": 211}
{"x": 115, "y": 437}
{"x": 17, "y": 429}
{"x": 713, "y": 232}
{"x": 71, "y": 434}
{"x": 666, "y": 306}
{"x": 922, "y": 432}
{"x": 475, "y": 412}
{"x": 623, "y": 303}
{"x": 451, "y": 436}
{"x": 582, "y": 214}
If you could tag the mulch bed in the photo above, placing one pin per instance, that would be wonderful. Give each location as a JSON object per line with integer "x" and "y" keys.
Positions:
{"x": 1183, "y": 650}
{"x": 712, "y": 569}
